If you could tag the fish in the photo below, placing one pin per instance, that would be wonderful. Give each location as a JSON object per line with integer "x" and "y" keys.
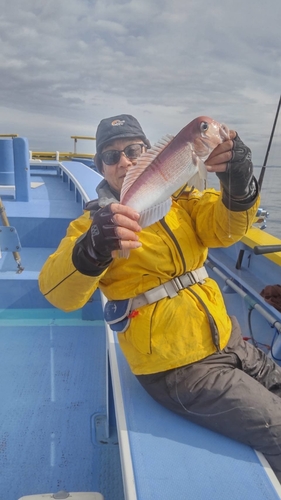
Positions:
{"x": 171, "y": 163}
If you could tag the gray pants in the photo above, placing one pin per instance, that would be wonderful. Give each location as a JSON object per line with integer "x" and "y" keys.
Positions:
{"x": 236, "y": 393}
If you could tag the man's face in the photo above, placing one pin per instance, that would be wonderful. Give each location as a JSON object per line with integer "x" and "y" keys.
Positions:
{"x": 115, "y": 174}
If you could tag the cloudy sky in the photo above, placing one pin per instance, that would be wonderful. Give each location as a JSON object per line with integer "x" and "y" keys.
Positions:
{"x": 66, "y": 64}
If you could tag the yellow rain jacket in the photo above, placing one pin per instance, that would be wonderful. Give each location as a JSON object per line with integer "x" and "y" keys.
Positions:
{"x": 173, "y": 331}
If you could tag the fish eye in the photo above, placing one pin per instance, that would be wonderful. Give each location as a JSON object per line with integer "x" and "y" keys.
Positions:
{"x": 204, "y": 126}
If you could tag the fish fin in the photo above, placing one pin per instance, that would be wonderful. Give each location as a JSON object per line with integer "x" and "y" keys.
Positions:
{"x": 143, "y": 162}
{"x": 199, "y": 179}
{"x": 202, "y": 175}
{"x": 197, "y": 182}
{"x": 202, "y": 170}
{"x": 147, "y": 218}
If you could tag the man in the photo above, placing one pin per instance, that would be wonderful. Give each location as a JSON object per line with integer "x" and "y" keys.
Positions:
{"x": 178, "y": 339}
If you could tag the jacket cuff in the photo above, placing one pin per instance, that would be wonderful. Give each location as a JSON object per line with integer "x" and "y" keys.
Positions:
{"x": 86, "y": 260}
{"x": 241, "y": 204}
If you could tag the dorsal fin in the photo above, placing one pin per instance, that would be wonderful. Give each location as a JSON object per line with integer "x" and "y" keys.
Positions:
{"x": 143, "y": 162}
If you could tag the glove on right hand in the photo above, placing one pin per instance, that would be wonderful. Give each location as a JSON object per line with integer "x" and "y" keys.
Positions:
{"x": 103, "y": 233}
{"x": 238, "y": 177}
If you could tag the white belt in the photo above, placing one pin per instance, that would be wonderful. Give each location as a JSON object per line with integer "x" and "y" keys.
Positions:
{"x": 169, "y": 289}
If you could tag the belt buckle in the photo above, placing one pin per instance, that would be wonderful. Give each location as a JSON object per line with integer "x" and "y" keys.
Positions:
{"x": 196, "y": 277}
{"x": 177, "y": 284}
{"x": 185, "y": 280}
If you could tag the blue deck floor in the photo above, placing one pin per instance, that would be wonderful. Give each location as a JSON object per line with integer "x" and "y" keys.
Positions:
{"x": 53, "y": 383}
{"x": 52, "y": 386}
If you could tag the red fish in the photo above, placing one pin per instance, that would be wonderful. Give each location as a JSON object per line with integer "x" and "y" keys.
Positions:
{"x": 168, "y": 165}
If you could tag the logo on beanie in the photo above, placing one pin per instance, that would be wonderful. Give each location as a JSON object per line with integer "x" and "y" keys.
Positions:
{"x": 116, "y": 123}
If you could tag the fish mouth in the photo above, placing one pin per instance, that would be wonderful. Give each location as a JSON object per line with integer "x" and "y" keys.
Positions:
{"x": 222, "y": 133}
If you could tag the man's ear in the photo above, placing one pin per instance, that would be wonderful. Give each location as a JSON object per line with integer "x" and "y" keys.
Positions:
{"x": 99, "y": 164}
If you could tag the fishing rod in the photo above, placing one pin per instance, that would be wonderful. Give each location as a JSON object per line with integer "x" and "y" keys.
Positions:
{"x": 262, "y": 172}
{"x": 6, "y": 224}
{"x": 263, "y": 249}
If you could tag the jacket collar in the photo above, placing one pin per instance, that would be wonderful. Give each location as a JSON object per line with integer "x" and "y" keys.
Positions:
{"x": 106, "y": 194}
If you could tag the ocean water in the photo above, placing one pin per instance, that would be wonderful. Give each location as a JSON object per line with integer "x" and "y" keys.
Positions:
{"x": 270, "y": 196}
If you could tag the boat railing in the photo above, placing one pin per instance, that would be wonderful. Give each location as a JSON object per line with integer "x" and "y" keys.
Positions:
{"x": 3, "y": 136}
{"x": 57, "y": 155}
{"x": 15, "y": 166}
{"x": 22, "y": 163}
{"x": 80, "y": 178}
{"x": 63, "y": 156}
{"x": 81, "y": 137}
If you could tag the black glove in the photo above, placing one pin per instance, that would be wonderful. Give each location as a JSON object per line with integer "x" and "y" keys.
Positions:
{"x": 92, "y": 251}
{"x": 103, "y": 233}
{"x": 239, "y": 184}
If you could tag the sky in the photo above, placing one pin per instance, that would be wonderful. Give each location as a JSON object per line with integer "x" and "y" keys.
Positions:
{"x": 67, "y": 64}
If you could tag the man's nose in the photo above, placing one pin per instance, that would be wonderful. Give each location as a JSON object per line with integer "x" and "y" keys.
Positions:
{"x": 124, "y": 160}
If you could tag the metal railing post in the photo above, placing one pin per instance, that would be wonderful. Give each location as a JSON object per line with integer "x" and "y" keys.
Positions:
{"x": 21, "y": 169}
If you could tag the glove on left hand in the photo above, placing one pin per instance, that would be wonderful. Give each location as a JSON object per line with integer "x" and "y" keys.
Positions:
{"x": 238, "y": 177}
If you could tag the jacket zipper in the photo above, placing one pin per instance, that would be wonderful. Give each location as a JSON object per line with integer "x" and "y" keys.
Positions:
{"x": 172, "y": 236}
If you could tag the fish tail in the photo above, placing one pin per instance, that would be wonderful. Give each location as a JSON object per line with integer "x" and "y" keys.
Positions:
{"x": 155, "y": 213}
{"x": 123, "y": 253}
{"x": 147, "y": 217}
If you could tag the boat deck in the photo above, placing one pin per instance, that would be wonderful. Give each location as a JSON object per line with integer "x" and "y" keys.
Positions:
{"x": 59, "y": 428}
{"x": 53, "y": 391}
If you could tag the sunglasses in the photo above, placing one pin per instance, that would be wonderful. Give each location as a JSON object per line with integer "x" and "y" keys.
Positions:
{"x": 112, "y": 156}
